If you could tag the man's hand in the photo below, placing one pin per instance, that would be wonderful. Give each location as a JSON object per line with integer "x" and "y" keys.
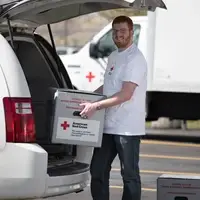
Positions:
{"x": 88, "y": 109}
{"x": 120, "y": 97}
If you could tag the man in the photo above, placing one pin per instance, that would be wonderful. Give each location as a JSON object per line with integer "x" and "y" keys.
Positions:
{"x": 125, "y": 84}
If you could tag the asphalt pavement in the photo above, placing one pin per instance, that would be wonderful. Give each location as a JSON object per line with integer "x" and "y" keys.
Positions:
{"x": 156, "y": 158}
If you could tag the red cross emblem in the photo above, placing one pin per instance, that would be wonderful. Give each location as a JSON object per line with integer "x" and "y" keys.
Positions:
{"x": 111, "y": 69}
{"x": 90, "y": 76}
{"x": 65, "y": 125}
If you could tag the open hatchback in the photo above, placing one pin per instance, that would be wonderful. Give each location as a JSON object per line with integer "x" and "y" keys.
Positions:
{"x": 31, "y": 165}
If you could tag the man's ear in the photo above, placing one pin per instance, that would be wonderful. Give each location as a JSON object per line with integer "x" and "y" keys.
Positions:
{"x": 131, "y": 32}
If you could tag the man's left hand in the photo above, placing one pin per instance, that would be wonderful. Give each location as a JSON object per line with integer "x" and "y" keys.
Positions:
{"x": 88, "y": 110}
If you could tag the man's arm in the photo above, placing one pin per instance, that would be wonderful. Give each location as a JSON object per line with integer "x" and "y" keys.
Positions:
{"x": 122, "y": 96}
{"x": 134, "y": 74}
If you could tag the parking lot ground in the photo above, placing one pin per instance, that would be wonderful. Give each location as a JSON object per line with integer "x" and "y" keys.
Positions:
{"x": 156, "y": 158}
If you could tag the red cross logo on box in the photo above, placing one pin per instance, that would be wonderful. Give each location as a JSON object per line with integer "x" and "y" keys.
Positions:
{"x": 90, "y": 76}
{"x": 65, "y": 125}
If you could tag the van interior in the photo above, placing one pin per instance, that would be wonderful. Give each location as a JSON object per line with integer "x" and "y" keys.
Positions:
{"x": 40, "y": 64}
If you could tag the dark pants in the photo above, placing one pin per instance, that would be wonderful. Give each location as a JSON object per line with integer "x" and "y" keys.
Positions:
{"x": 127, "y": 148}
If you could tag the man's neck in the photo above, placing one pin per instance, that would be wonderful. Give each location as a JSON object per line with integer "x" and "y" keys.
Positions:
{"x": 122, "y": 49}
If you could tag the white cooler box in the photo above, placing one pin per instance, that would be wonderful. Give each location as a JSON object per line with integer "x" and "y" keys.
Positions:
{"x": 178, "y": 187}
{"x": 68, "y": 126}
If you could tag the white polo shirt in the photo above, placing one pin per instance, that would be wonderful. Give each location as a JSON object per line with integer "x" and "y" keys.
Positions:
{"x": 127, "y": 118}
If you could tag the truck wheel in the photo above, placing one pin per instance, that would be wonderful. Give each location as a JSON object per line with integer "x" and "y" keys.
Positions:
{"x": 166, "y": 123}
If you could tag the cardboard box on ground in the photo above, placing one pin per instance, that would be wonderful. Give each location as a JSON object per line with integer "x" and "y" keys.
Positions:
{"x": 67, "y": 125}
{"x": 178, "y": 187}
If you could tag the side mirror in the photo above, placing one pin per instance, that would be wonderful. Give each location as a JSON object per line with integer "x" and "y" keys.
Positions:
{"x": 99, "y": 52}
{"x": 94, "y": 53}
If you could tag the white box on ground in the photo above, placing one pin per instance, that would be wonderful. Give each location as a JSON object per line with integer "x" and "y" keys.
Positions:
{"x": 178, "y": 187}
{"x": 68, "y": 126}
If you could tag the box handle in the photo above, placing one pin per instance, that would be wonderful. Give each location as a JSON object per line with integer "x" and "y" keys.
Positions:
{"x": 181, "y": 198}
{"x": 77, "y": 113}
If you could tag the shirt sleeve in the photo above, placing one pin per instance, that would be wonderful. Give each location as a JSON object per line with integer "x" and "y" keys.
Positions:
{"x": 135, "y": 70}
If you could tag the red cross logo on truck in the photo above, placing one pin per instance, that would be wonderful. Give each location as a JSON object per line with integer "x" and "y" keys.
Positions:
{"x": 65, "y": 125}
{"x": 90, "y": 76}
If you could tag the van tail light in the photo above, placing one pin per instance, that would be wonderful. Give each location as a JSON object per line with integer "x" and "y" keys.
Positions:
{"x": 19, "y": 119}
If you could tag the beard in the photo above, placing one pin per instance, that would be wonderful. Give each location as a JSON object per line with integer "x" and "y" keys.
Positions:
{"x": 122, "y": 42}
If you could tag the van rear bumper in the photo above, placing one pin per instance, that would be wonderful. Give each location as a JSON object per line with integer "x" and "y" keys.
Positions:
{"x": 66, "y": 184}
{"x": 23, "y": 174}
{"x": 23, "y": 188}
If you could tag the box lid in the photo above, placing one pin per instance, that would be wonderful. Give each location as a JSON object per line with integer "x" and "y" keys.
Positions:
{"x": 174, "y": 176}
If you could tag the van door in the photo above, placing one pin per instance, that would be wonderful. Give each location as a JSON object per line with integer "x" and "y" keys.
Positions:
{"x": 33, "y": 13}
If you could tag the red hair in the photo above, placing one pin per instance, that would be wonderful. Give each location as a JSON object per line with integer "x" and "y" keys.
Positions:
{"x": 123, "y": 19}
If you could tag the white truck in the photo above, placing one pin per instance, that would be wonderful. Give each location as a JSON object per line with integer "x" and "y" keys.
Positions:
{"x": 86, "y": 67}
{"x": 169, "y": 40}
